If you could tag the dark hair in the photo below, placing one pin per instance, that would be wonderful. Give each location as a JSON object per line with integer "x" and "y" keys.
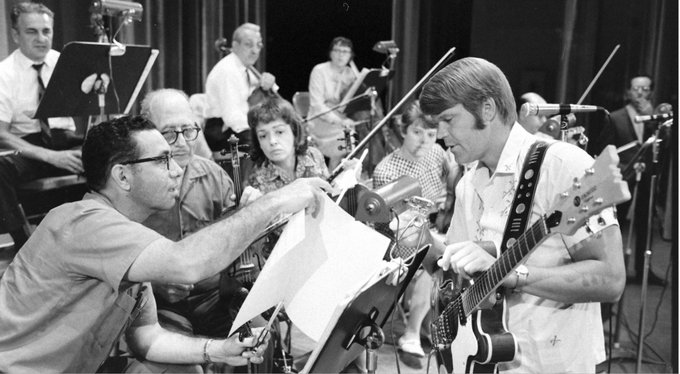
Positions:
{"x": 28, "y": 7}
{"x": 341, "y": 41}
{"x": 270, "y": 110}
{"x": 412, "y": 114}
{"x": 641, "y": 75}
{"x": 469, "y": 81}
{"x": 110, "y": 143}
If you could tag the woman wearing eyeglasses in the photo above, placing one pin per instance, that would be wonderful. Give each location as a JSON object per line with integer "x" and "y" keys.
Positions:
{"x": 328, "y": 83}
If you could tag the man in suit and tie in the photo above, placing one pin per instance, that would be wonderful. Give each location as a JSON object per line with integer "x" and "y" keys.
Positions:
{"x": 621, "y": 130}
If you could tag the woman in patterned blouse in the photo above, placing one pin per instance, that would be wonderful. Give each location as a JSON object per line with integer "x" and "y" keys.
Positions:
{"x": 280, "y": 150}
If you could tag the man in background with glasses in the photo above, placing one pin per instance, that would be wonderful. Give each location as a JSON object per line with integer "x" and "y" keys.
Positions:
{"x": 623, "y": 129}
{"x": 229, "y": 86}
{"x": 82, "y": 279}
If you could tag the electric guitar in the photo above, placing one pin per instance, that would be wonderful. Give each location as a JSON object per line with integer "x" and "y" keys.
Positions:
{"x": 470, "y": 339}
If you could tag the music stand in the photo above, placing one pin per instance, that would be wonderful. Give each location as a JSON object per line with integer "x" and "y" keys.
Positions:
{"x": 364, "y": 315}
{"x": 376, "y": 78}
{"x": 126, "y": 68}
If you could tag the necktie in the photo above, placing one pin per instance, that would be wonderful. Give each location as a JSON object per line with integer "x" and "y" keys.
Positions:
{"x": 44, "y": 126}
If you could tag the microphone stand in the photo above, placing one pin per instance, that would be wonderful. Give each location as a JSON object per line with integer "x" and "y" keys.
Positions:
{"x": 639, "y": 168}
{"x": 387, "y": 117}
{"x": 648, "y": 247}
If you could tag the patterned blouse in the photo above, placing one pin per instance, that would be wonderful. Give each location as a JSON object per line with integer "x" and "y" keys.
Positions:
{"x": 430, "y": 172}
{"x": 269, "y": 177}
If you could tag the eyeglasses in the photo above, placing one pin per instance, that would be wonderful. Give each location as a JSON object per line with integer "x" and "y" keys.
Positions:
{"x": 189, "y": 133}
{"x": 342, "y": 51}
{"x": 641, "y": 88}
{"x": 165, "y": 158}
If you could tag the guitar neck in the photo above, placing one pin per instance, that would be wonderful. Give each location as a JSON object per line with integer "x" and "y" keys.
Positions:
{"x": 513, "y": 255}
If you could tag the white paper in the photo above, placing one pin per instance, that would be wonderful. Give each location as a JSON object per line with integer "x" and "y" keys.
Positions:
{"x": 316, "y": 264}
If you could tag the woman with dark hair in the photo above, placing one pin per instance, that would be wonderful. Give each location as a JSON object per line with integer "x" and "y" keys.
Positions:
{"x": 280, "y": 150}
{"x": 328, "y": 83}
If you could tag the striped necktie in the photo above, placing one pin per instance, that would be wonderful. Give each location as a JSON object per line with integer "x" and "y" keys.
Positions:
{"x": 44, "y": 126}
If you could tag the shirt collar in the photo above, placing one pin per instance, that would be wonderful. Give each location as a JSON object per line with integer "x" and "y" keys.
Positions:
{"x": 195, "y": 169}
{"x": 272, "y": 172}
{"x": 517, "y": 140}
{"x": 237, "y": 61}
{"x": 27, "y": 63}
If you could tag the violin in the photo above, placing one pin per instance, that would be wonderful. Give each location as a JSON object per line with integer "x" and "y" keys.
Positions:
{"x": 248, "y": 265}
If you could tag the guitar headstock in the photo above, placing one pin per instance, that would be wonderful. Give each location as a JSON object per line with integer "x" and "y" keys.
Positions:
{"x": 601, "y": 187}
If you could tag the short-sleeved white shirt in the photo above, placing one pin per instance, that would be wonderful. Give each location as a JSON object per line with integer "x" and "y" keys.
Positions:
{"x": 552, "y": 336}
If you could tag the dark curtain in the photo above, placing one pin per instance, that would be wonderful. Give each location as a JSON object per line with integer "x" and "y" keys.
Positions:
{"x": 184, "y": 32}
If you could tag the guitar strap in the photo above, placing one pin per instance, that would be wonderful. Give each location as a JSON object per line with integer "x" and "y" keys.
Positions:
{"x": 524, "y": 195}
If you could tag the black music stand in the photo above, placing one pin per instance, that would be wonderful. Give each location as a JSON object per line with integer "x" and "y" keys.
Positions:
{"x": 125, "y": 66}
{"x": 360, "y": 322}
{"x": 376, "y": 78}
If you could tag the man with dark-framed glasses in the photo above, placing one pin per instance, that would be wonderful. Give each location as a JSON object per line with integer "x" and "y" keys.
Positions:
{"x": 83, "y": 278}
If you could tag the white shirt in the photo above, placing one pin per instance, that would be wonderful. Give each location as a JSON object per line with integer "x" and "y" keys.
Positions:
{"x": 326, "y": 89}
{"x": 551, "y": 336}
{"x": 637, "y": 126}
{"x": 19, "y": 93}
{"x": 227, "y": 88}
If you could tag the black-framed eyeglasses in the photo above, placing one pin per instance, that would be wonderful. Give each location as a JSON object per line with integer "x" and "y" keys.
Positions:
{"x": 165, "y": 158}
{"x": 189, "y": 133}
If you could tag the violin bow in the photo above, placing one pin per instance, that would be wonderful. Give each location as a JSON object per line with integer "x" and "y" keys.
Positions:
{"x": 387, "y": 117}
{"x": 597, "y": 76}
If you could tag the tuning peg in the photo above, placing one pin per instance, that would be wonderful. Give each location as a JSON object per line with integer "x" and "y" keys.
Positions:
{"x": 564, "y": 195}
{"x": 585, "y": 208}
{"x": 590, "y": 171}
{"x": 598, "y": 201}
{"x": 571, "y": 220}
{"x": 589, "y": 230}
{"x": 576, "y": 184}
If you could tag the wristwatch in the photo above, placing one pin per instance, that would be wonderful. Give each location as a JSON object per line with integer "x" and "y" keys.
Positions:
{"x": 522, "y": 275}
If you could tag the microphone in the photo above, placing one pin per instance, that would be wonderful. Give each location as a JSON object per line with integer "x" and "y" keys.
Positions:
{"x": 654, "y": 117}
{"x": 529, "y": 109}
{"x": 128, "y": 9}
{"x": 386, "y": 47}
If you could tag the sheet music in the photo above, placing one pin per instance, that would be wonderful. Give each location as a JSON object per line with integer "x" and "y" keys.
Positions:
{"x": 315, "y": 266}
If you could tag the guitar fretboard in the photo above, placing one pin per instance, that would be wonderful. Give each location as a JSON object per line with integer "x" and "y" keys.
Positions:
{"x": 468, "y": 301}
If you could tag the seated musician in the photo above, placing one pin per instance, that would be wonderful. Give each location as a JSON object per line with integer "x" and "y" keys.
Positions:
{"x": 83, "y": 277}
{"x": 229, "y": 85}
{"x": 39, "y": 151}
{"x": 421, "y": 158}
{"x": 328, "y": 83}
{"x": 553, "y": 298}
{"x": 205, "y": 195}
{"x": 280, "y": 150}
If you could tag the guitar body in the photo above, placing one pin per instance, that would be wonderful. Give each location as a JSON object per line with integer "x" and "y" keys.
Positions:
{"x": 480, "y": 343}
